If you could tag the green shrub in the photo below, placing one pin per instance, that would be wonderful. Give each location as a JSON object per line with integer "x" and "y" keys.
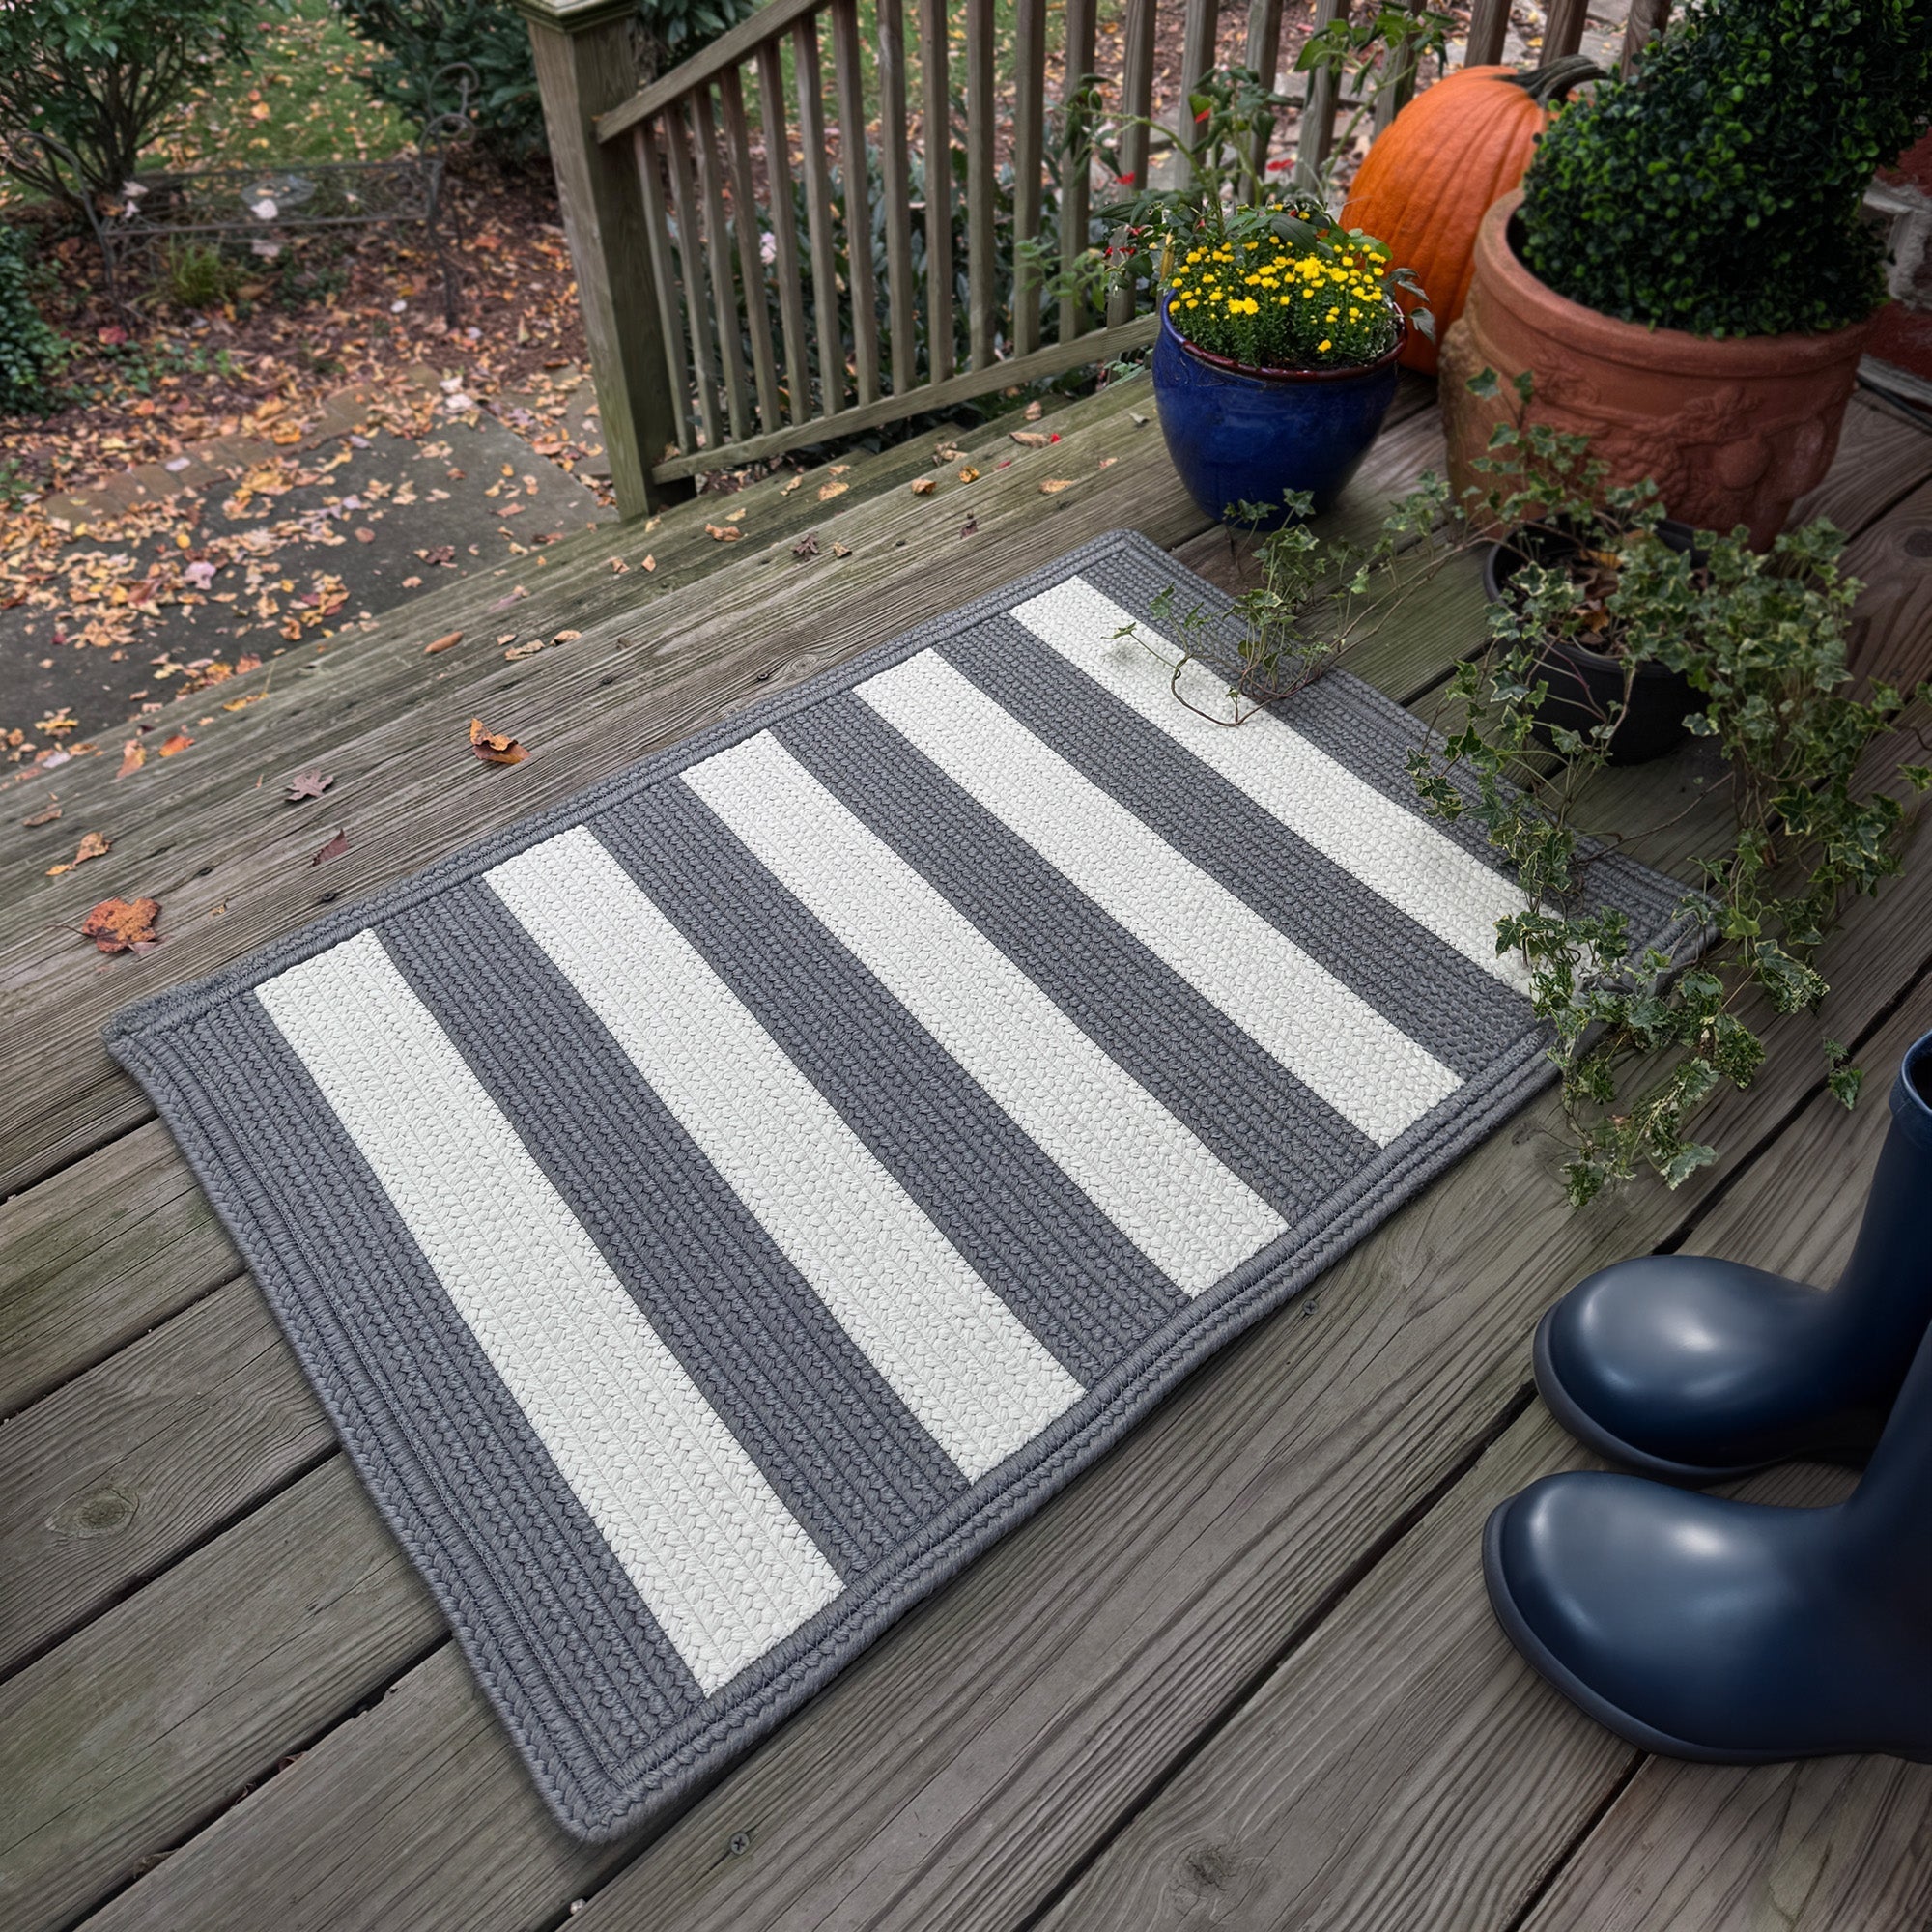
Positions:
{"x": 1717, "y": 190}
{"x": 200, "y": 276}
{"x": 104, "y": 77}
{"x": 30, "y": 351}
{"x": 418, "y": 40}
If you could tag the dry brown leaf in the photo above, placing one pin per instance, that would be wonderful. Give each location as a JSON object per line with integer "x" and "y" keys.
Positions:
{"x": 722, "y": 534}
{"x": 805, "y": 545}
{"x": 133, "y": 755}
{"x": 971, "y": 525}
{"x": 924, "y": 486}
{"x": 93, "y": 845}
{"x": 1108, "y": 462}
{"x": 123, "y": 925}
{"x": 828, "y": 490}
{"x": 1035, "y": 410}
{"x": 311, "y": 783}
{"x": 45, "y": 815}
{"x": 448, "y": 641}
{"x": 618, "y": 566}
{"x": 243, "y": 703}
{"x": 649, "y": 563}
{"x": 1054, "y": 485}
{"x": 968, "y": 474}
{"x": 566, "y": 637}
{"x": 945, "y": 453}
{"x": 842, "y": 550}
{"x": 797, "y": 483}
{"x": 180, "y": 741}
{"x": 1031, "y": 438}
{"x": 333, "y": 848}
{"x": 493, "y": 748}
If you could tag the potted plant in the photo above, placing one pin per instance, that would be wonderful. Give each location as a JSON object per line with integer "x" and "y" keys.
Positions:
{"x": 1685, "y": 269}
{"x": 1279, "y": 330}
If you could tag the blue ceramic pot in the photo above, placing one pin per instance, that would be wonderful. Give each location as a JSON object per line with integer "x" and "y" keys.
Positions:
{"x": 1239, "y": 435}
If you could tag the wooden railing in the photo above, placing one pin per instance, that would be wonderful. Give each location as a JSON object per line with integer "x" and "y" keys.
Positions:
{"x": 757, "y": 274}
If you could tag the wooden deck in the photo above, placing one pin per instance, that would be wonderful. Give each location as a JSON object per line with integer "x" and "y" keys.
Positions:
{"x": 1242, "y": 1673}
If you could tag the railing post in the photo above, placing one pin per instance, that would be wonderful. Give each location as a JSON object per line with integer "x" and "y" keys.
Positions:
{"x": 585, "y": 66}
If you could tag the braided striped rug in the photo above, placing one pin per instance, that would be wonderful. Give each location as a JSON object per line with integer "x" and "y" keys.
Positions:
{"x": 716, "y": 1210}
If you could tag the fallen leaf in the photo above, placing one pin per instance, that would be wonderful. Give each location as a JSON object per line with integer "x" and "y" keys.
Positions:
{"x": 723, "y": 533}
{"x": 332, "y": 848}
{"x": 44, "y": 817}
{"x": 737, "y": 516}
{"x": 924, "y": 486}
{"x": 968, "y": 474}
{"x": 797, "y": 483}
{"x": 618, "y": 566}
{"x": 1035, "y": 410}
{"x": 971, "y": 525}
{"x": 413, "y": 584}
{"x": 1140, "y": 421}
{"x": 123, "y": 925}
{"x": 503, "y": 603}
{"x": 650, "y": 563}
{"x": 805, "y": 545}
{"x": 243, "y": 703}
{"x": 133, "y": 755}
{"x": 365, "y": 536}
{"x": 1031, "y": 438}
{"x": 842, "y": 550}
{"x": 93, "y": 845}
{"x": 1107, "y": 462}
{"x": 828, "y": 490}
{"x": 566, "y": 637}
{"x": 945, "y": 452}
{"x": 180, "y": 741}
{"x": 1054, "y": 485}
{"x": 448, "y": 641}
{"x": 493, "y": 748}
{"x": 311, "y": 783}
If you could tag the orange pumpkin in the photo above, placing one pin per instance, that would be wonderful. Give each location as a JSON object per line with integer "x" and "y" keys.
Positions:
{"x": 1436, "y": 169}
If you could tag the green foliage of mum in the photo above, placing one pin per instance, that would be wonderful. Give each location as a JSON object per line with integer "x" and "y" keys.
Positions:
{"x": 1718, "y": 190}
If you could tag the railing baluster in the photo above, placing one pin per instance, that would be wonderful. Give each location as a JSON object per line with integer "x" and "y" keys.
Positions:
{"x": 1264, "y": 55}
{"x": 1318, "y": 114}
{"x": 717, "y": 260}
{"x": 750, "y": 254}
{"x": 692, "y": 272}
{"x": 786, "y": 263}
{"x": 818, "y": 216}
{"x": 849, "y": 79}
{"x": 934, "y": 63}
{"x": 1076, "y": 166}
{"x": 1647, "y": 19}
{"x": 1563, "y": 29}
{"x": 981, "y": 292}
{"x": 1136, "y": 103}
{"x": 1396, "y": 95}
{"x": 670, "y": 318}
{"x": 895, "y": 171}
{"x": 1488, "y": 28}
{"x": 1197, "y": 43}
{"x": 1029, "y": 107}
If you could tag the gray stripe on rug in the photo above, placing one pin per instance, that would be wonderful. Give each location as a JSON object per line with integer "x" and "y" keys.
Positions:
{"x": 1082, "y": 1288}
{"x": 1260, "y": 1121}
{"x": 1460, "y": 1014}
{"x": 839, "y": 1447}
{"x": 572, "y": 1656}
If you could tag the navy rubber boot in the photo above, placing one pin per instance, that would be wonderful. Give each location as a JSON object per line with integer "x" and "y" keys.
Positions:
{"x": 1727, "y": 1631}
{"x": 1697, "y": 1369}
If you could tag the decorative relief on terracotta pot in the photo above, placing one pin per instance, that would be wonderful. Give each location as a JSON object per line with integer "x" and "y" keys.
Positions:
{"x": 1733, "y": 431}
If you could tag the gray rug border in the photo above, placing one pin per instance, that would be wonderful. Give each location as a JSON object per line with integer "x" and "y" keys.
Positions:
{"x": 691, "y": 1755}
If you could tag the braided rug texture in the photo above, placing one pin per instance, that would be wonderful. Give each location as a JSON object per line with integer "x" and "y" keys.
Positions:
{"x": 715, "y": 1211}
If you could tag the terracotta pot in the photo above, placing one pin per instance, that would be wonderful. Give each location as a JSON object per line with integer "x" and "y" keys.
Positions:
{"x": 1734, "y": 431}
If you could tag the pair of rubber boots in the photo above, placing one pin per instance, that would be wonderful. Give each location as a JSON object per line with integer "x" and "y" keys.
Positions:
{"x": 1734, "y": 1632}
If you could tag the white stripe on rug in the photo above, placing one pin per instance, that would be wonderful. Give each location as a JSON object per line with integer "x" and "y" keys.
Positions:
{"x": 722, "y": 1564}
{"x": 1139, "y": 1165}
{"x": 1329, "y": 1037}
{"x": 954, "y": 1353}
{"x": 1395, "y": 852}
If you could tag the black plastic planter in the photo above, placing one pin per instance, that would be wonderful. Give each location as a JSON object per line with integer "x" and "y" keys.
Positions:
{"x": 1586, "y": 685}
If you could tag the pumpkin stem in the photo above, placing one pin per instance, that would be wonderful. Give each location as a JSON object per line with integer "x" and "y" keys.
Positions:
{"x": 1553, "y": 82}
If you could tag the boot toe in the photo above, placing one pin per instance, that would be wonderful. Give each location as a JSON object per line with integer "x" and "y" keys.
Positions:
{"x": 1684, "y": 1366}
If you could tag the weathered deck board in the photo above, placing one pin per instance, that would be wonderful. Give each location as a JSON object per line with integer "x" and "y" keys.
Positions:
{"x": 117, "y": 1473}
{"x": 1410, "y": 1703}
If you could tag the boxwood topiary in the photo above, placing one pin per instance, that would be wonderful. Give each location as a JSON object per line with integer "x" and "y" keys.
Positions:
{"x": 1717, "y": 190}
